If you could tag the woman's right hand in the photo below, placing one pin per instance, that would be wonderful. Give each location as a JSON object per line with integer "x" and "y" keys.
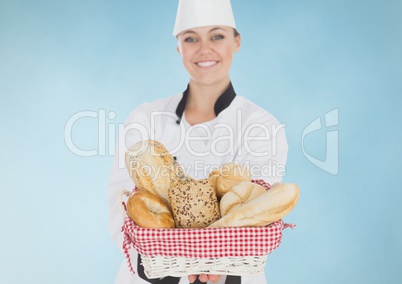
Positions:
{"x": 204, "y": 278}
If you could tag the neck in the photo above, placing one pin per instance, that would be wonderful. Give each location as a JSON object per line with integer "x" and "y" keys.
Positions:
{"x": 201, "y": 100}
{"x": 203, "y": 97}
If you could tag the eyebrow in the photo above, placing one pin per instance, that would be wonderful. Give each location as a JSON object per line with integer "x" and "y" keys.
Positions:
{"x": 211, "y": 30}
{"x": 217, "y": 28}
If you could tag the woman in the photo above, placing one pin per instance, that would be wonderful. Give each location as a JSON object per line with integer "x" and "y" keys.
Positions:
{"x": 204, "y": 127}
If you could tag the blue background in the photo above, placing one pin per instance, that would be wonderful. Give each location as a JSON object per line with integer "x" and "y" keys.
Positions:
{"x": 299, "y": 60}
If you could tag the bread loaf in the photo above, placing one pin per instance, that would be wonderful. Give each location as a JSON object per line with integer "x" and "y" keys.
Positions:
{"x": 194, "y": 203}
{"x": 227, "y": 176}
{"x": 151, "y": 167}
{"x": 149, "y": 210}
{"x": 239, "y": 195}
{"x": 263, "y": 210}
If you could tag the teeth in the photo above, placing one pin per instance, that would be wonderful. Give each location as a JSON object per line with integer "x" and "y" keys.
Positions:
{"x": 206, "y": 63}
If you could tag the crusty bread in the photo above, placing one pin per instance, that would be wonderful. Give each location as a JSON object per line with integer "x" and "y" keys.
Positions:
{"x": 151, "y": 167}
{"x": 149, "y": 210}
{"x": 263, "y": 210}
{"x": 227, "y": 176}
{"x": 194, "y": 203}
{"x": 239, "y": 195}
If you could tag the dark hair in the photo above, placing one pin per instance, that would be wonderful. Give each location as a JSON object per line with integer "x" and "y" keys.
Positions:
{"x": 235, "y": 32}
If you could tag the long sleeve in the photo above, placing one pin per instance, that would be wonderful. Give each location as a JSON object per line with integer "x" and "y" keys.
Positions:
{"x": 135, "y": 129}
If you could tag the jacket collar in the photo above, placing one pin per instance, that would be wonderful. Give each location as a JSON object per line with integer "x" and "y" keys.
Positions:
{"x": 221, "y": 103}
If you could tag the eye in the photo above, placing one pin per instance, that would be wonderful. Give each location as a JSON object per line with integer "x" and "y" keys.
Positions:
{"x": 190, "y": 39}
{"x": 218, "y": 37}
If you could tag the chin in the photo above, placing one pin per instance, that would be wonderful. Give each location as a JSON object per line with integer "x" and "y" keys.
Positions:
{"x": 210, "y": 81}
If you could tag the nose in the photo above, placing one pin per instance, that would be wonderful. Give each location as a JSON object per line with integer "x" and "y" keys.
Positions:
{"x": 205, "y": 47}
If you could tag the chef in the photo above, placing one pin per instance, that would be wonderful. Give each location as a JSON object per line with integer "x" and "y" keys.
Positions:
{"x": 204, "y": 127}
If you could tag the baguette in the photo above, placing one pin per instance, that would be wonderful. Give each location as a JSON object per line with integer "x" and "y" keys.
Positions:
{"x": 263, "y": 210}
{"x": 240, "y": 194}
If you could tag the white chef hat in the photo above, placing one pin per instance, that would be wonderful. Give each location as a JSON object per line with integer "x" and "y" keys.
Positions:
{"x": 201, "y": 13}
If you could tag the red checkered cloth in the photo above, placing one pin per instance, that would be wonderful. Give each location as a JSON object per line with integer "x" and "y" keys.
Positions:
{"x": 203, "y": 242}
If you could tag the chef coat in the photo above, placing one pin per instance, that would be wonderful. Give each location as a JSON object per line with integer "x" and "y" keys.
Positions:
{"x": 241, "y": 132}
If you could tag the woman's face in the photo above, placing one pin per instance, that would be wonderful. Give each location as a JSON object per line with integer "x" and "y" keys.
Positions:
{"x": 207, "y": 53}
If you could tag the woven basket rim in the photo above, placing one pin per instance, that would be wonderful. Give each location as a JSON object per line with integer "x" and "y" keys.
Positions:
{"x": 255, "y": 228}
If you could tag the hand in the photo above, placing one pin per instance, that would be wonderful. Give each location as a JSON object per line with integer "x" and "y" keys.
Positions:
{"x": 204, "y": 278}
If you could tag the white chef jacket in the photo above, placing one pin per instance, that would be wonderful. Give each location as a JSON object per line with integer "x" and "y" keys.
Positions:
{"x": 241, "y": 132}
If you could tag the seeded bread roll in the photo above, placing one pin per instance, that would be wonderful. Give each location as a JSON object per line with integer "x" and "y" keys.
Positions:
{"x": 194, "y": 203}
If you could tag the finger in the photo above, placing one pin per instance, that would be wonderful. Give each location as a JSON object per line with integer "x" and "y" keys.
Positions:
{"x": 203, "y": 277}
{"x": 214, "y": 278}
{"x": 192, "y": 278}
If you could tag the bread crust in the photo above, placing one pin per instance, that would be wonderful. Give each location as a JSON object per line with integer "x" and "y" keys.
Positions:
{"x": 227, "y": 176}
{"x": 267, "y": 208}
{"x": 152, "y": 167}
{"x": 239, "y": 195}
{"x": 149, "y": 210}
{"x": 194, "y": 203}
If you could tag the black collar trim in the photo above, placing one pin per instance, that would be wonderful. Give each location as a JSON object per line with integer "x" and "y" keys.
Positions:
{"x": 221, "y": 103}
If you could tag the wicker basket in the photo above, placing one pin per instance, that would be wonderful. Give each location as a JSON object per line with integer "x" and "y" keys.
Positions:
{"x": 156, "y": 267}
{"x": 182, "y": 252}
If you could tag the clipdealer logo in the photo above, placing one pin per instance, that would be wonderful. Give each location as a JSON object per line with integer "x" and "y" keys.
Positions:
{"x": 108, "y": 131}
{"x": 220, "y": 146}
{"x": 331, "y": 162}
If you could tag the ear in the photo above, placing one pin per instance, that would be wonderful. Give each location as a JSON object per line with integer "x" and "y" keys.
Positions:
{"x": 237, "y": 43}
{"x": 178, "y": 50}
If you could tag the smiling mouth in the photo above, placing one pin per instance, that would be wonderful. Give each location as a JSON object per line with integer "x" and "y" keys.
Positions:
{"x": 206, "y": 63}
